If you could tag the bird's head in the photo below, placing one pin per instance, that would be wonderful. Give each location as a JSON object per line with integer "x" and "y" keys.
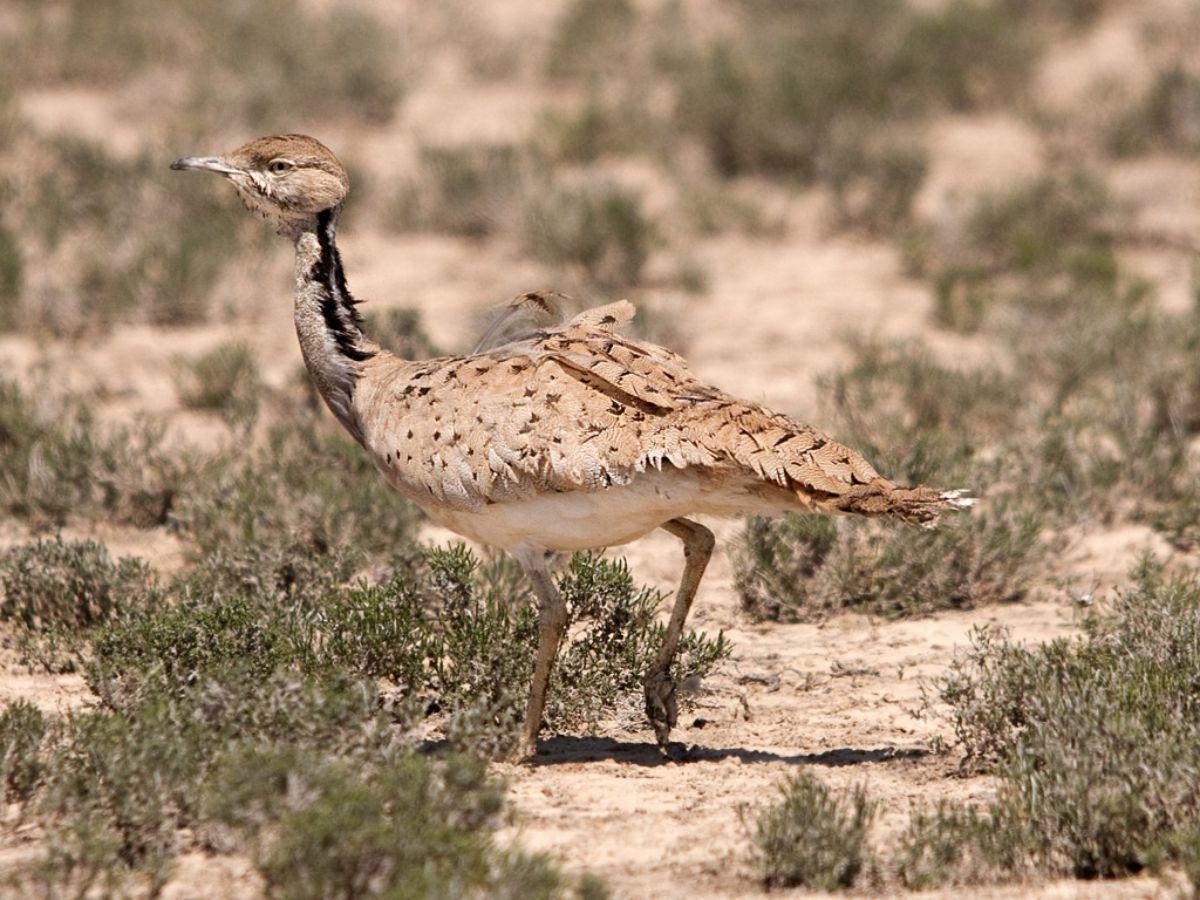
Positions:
{"x": 289, "y": 178}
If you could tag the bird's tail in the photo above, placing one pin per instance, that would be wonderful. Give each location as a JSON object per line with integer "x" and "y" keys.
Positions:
{"x": 881, "y": 497}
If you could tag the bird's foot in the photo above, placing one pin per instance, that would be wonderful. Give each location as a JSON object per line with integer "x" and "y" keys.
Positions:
{"x": 525, "y": 751}
{"x": 661, "y": 708}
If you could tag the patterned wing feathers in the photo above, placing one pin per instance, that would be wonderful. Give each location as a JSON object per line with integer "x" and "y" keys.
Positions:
{"x": 580, "y": 408}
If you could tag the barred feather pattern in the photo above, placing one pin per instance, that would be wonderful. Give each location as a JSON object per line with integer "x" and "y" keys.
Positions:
{"x": 582, "y": 408}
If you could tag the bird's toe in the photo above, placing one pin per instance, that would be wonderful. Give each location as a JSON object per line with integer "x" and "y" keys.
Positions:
{"x": 661, "y": 707}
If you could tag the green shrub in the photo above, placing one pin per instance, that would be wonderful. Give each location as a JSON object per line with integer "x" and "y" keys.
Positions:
{"x": 1094, "y": 739}
{"x": 969, "y": 55}
{"x": 223, "y": 379}
{"x": 955, "y": 843}
{"x": 183, "y": 643}
{"x": 800, "y": 568}
{"x": 137, "y": 243}
{"x": 593, "y": 38}
{"x": 917, "y": 419}
{"x": 56, "y": 462}
{"x": 782, "y": 94}
{"x": 920, "y": 423}
{"x": 1165, "y": 118}
{"x": 401, "y": 331}
{"x": 484, "y": 638}
{"x": 119, "y": 783}
{"x": 1053, "y": 225}
{"x": 241, "y": 63}
{"x": 813, "y": 837}
{"x": 604, "y": 125}
{"x": 456, "y": 634}
{"x": 12, "y": 275}
{"x": 874, "y": 179}
{"x": 1076, "y": 13}
{"x": 22, "y": 729}
{"x": 56, "y": 583}
{"x": 599, "y": 228}
{"x": 307, "y": 486}
{"x": 320, "y": 827}
{"x": 468, "y": 191}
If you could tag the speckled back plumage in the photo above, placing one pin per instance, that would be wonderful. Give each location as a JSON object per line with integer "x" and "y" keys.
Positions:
{"x": 582, "y": 408}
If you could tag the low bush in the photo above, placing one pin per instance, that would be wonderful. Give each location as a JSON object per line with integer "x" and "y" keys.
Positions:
{"x": 598, "y": 228}
{"x": 592, "y": 39}
{"x": 813, "y": 837}
{"x": 22, "y": 728}
{"x": 401, "y": 331}
{"x": 319, "y": 827}
{"x": 1165, "y": 118}
{"x": 468, "y": 191}
{"x": 801, "y": 568}
{"x": 240, "y": 64}
{"x": 75, "y": 584}
{"x": 774, "y": 97}
{"x": 1093, "y": 741}
{"x": 137, "y": 243}
{"x": 235, "y": 713}
{"x": 57, "y": 462}
{"x": 1094, "y": 421}
{"x": 12, "y": 276}
{"x": 873, "y": 179}
{"x": 225, "y": 379}
{"x": 306, "y": 486}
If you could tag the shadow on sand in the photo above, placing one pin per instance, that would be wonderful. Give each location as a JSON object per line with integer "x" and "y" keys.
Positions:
{"x": 565, "y": 749}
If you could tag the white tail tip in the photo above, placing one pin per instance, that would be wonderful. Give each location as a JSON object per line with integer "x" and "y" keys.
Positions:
{"x": 959, "y": 499}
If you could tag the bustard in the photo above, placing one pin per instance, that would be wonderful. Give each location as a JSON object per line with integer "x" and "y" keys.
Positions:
{"x": 570, "y": 438}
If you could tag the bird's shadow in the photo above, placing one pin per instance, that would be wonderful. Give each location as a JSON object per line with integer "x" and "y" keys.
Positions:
{"x": 567, "y": 749}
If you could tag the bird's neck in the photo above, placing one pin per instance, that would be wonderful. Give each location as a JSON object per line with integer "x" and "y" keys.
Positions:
{"x": 327, "y": 323}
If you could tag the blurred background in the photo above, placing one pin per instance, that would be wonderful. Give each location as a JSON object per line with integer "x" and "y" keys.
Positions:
{"x": 831, "y": 208}
{"x": 961, "y": 235}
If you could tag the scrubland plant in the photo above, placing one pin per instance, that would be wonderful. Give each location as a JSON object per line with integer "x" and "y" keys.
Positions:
{"x": 56, "y": 461}
{"x": 287, "y": 720}
{"x": 814, "y": 837}
{"x": 225, "y": 379}
{"x": 601, "y": 229}
{"x": 1092, "y": 420}
{"x": 239, "y": 61}
{"x": 468, "y": 191}
{"x": 1093, "y": 741}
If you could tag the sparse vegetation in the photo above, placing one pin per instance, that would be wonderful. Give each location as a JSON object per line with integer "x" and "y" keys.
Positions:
{"x": 223, "y": 695}
{"x": 319, "y": 827}
{"x": 1096, "y": 420}
{"x": 813, "y": 837}
{"x": 1165, "y": 118}
{"x": 224, "y": 379}
{"x": 117, "y": 241}
{"x": 401, "y": 331}
{"x": 1093, "y": 741}
{"x": 57, "y": 461}
{"x": 801, "y": 568}
{"x": 602, "y": 229}
{"x": 240, "y": 61}
{"x": 305, "y": 687}
{"x": 56, "y": 583}
{"x": 468, "y": 191}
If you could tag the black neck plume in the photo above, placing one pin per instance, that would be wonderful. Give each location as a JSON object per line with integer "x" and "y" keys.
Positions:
{"x": 338, "y": 307}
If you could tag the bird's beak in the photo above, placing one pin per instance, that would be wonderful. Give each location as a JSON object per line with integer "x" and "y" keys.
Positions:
{"x": 207, "y": 164}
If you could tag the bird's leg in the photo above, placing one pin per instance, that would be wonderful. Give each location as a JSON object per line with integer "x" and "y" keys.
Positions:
{"x": 552, "y": 622}
{"x": 698, "y": 543}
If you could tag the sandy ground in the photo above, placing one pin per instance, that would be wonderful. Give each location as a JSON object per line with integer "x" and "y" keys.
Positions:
{"x": 842, "y": 696}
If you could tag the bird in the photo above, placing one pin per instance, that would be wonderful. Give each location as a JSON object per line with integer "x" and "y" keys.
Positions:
{"x": 571, "y": 437}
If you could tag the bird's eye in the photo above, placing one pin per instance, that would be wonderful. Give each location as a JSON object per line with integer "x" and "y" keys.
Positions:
{"x": 279, "y": 165}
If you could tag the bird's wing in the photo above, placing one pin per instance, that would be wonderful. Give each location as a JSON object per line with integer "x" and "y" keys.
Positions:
{"x": 580, "y": 407}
